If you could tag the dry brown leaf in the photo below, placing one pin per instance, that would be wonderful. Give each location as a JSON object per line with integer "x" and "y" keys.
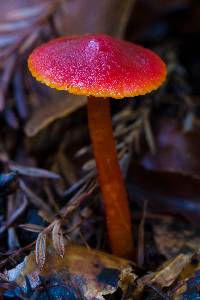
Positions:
{"x": 57, "y": 238}
{"x": 166, "y": 276}
{"x": 187, "y": 287}
{"x": 177, "y": 150}
{"x": 53, "y": 110}
{"x": 170, "y": 272}
{"x": 82, "y": 21}
{"x": 187, "y": 284}
{"x": 40, "y": 250}
{"x": 83, "y": 273}
{"x": 167, "y": 192}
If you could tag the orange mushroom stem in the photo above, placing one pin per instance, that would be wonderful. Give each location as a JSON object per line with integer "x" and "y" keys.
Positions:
{"x": 110, "y": 177}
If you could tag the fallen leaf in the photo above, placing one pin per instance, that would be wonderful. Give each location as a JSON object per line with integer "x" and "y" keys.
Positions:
{"x": 167, "y": 192}
{"x": 52, "y": 110}
{"x": 176, "y": 150}
{"x": 172, "y": 269}
{"x": 83, "y": 273}
{"x": 82, "y": 21}
{"x": 188, "y": 289}
{"x": 187, "y": 285}
{"x": 166, "y": 276}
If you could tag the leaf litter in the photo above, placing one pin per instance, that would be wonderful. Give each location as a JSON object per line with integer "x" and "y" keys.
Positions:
{"x": 48, "y": 189}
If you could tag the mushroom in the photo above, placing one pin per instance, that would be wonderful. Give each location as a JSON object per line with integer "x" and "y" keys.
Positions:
{"x": 101, "y": 67}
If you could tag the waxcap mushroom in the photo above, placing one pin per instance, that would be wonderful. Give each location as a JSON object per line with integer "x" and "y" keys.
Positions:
{"x": 97, "y": 65}
{"x": 100, "y": 67}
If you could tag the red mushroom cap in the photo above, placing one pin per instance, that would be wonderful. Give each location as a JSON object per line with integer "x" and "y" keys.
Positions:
{"x": 97, "y": 65}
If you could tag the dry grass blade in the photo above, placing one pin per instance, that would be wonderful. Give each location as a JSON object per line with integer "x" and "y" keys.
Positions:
{"x": 6, "y": 40}
{"x": 40, "y": 250}
{"x": 33, "y": 172}
{"x": 11, "y": 118}
{"x": 21, "y": 25}
{"x": 19, "y": 94}
{"x": 26, "y": 17}
{"x": 5, "y": 78}
{"x": 57, "y": 238}
{"x": 78, "y": 184}
{"x": 6, "y": 52}
{"x": 13, "y": 26}
{"x": 30, "y": 40}
{"x": 15, "y": 215}
{"x": 148, "y": 132}
{"x": 34, "y": 199}
{"x": 141, "y": 251}
{"x": 32, "y": 227}
{"x": 28, "y": 12}
{"x": 76, "y": 200}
